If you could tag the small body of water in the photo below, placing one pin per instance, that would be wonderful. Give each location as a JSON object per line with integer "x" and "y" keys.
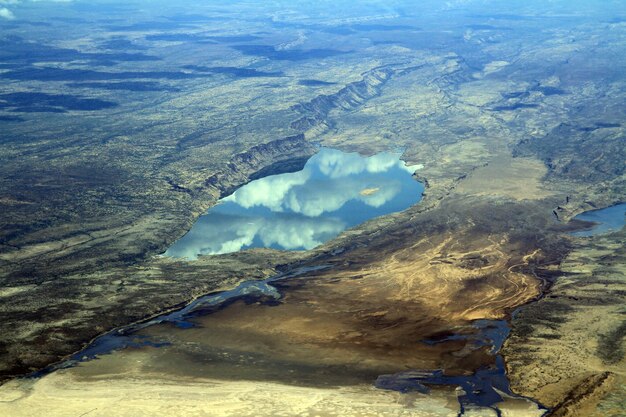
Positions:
{"x": 488, "y": 387}
{"x": 301, "y": 210}
{"x": 609, "y": 219}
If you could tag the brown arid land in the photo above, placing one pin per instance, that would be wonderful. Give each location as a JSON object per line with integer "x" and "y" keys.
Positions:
{"x": 513, "y": 139}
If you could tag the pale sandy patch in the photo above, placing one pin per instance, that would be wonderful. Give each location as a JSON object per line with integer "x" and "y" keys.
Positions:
{"x": 517, "y": 178}
{"x": 61, "y": 395}
{"x": 369, "y": 191}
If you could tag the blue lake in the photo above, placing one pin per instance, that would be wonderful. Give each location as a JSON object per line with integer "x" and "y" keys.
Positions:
{"x": 610, "y": 219}
{"x": 301, "y": 210}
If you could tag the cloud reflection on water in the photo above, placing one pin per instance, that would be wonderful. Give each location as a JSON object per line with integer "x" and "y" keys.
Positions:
{"x": 301, "y": 210}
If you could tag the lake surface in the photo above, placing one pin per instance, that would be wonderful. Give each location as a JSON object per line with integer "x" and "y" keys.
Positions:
{"x": 301, "y": 210}
{"x": 610, "y": 219}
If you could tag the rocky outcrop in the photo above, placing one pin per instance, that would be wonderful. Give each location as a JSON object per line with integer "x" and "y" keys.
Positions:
{"x": 290, "y": 154}
{"x": 282, "y": 155}
{"x": 353, "y": 95}
{"x": 583, "y": 396}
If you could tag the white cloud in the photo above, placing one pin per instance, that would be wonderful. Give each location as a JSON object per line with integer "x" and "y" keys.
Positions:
{"x": 219, "y": 233}
{"x": 298, "y": 232}
{"x": 270, "y": 191}
{"x": 299, "y": 210}
{"x": 6, "y": 13}
{"x": 336, "y": 164}
{"x": 316, "y": 198}
{"x": 344, "y": 177}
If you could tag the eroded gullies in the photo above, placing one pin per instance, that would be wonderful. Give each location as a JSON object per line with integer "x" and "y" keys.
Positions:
{"x": 301, "y": 210}
{"x": 607, "y": 220}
